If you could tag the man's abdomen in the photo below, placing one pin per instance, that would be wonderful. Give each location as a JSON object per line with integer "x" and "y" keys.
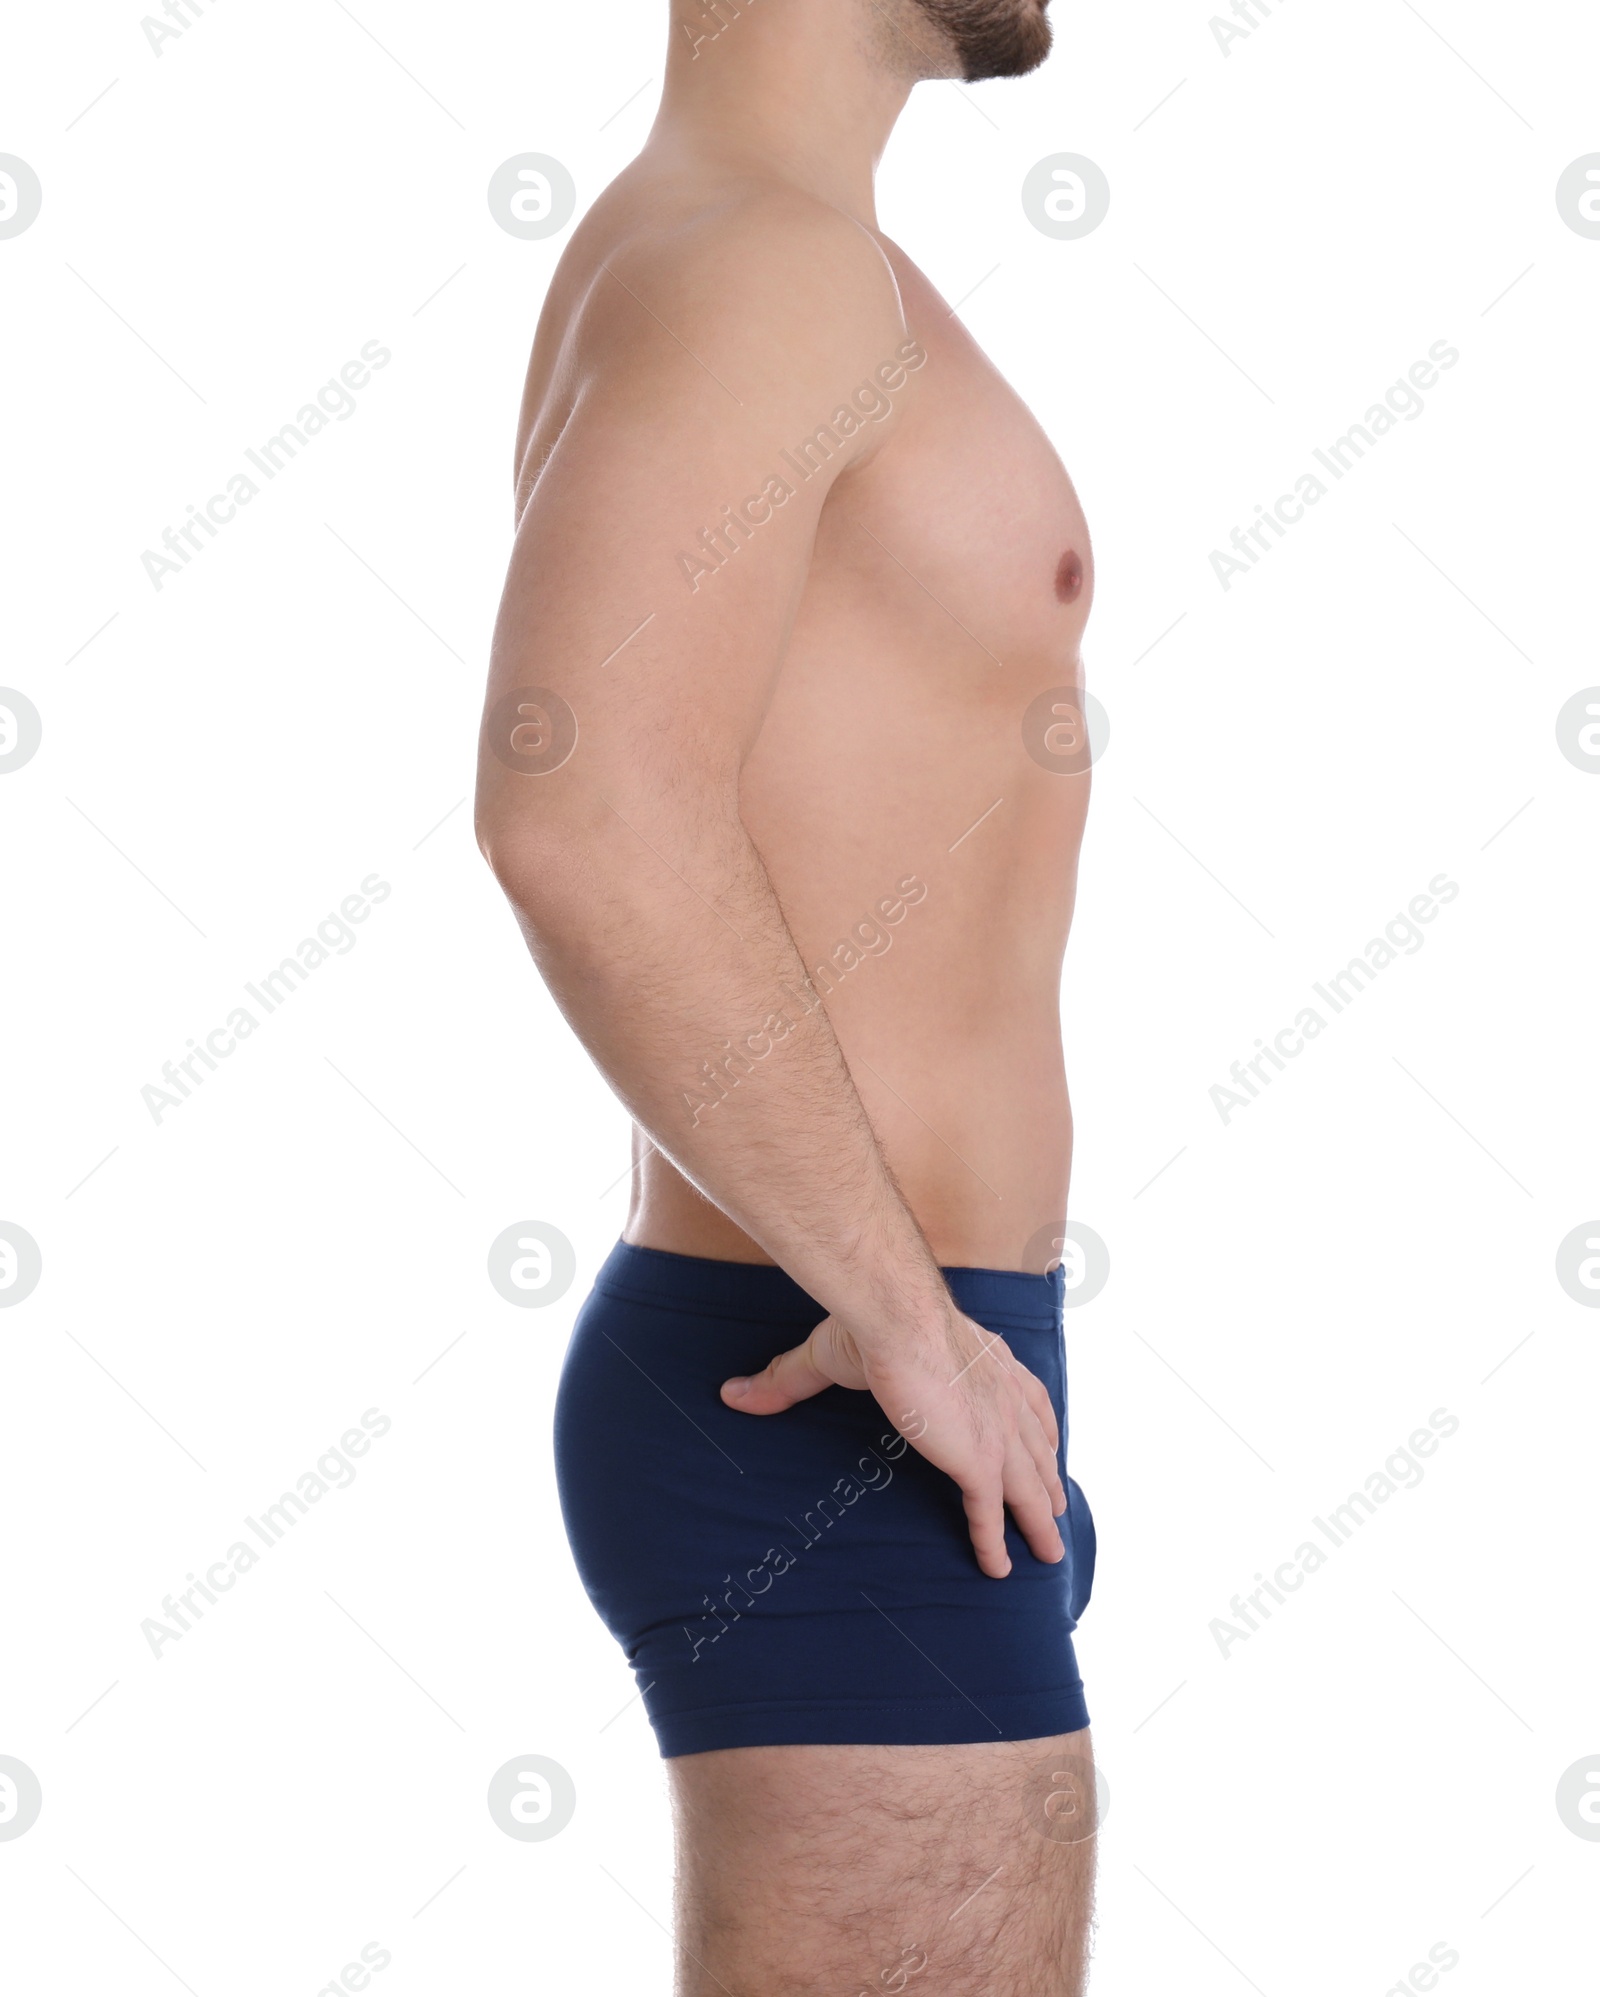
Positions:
{"x": 968, "y": 1102}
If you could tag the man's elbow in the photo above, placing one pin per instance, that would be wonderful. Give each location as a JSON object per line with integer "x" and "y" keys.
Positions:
{"x": 537, "y": 863}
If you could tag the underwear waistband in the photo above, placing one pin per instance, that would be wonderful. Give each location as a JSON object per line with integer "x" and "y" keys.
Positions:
{"x": 761, "y": 1292}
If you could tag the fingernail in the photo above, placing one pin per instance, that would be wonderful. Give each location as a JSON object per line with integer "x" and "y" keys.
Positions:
{"x": 738, "y": 1388}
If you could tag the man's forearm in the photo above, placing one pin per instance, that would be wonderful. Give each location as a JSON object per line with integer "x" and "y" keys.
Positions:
{"x": 792, "y": 1159}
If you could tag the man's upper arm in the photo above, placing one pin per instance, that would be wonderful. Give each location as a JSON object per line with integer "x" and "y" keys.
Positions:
{"x": 720, "y": 378}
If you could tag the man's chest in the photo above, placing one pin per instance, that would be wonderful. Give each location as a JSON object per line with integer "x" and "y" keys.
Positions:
{"x": 966, "y": 518}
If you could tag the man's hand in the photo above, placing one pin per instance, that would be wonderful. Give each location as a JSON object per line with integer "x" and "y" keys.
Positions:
{"x": 961, "y": 1400}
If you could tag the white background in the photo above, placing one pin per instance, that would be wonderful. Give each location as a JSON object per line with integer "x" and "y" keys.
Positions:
{"x": 225, "y": 759}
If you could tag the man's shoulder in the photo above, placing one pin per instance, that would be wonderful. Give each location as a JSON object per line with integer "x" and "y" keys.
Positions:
{"x": 762, "y": 274}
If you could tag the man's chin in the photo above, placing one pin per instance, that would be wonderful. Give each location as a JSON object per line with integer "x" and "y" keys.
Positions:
{"x": 1000, "y": 37}
{"x": 1023, "y": 62}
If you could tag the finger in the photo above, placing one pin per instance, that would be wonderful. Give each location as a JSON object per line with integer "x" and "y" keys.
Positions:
{"x": 986, "y": 1521}
{"x": 1029, "y": 1501}
{"x": 1039, "y": 1400}
{"x": 793, "y": 1376}
{"x": 1044, "y": 1460}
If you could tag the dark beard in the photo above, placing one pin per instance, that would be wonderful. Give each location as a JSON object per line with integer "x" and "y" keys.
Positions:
{"x": 993, "y": 37}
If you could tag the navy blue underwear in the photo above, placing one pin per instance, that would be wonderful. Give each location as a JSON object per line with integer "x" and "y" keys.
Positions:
{"x": 806, "y": 1576}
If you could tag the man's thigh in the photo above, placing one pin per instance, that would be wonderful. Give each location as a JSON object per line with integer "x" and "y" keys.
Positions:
{"x": 837, "y": 1871}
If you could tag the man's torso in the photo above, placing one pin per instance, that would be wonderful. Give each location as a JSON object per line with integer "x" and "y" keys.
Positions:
{"x": 906, "y": 790}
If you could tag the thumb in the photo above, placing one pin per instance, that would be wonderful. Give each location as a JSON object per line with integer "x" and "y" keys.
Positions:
{"x": 793, "y": 1376}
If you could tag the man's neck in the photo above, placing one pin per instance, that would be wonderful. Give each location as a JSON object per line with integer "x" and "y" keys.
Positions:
{"x": 806, "y": 90}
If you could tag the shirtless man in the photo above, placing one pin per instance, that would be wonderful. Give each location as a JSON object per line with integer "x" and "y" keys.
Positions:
{"x": 783, "y": 773}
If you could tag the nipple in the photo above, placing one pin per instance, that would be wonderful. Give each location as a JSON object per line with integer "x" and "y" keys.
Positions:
{"x": 1069, "y": 577}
